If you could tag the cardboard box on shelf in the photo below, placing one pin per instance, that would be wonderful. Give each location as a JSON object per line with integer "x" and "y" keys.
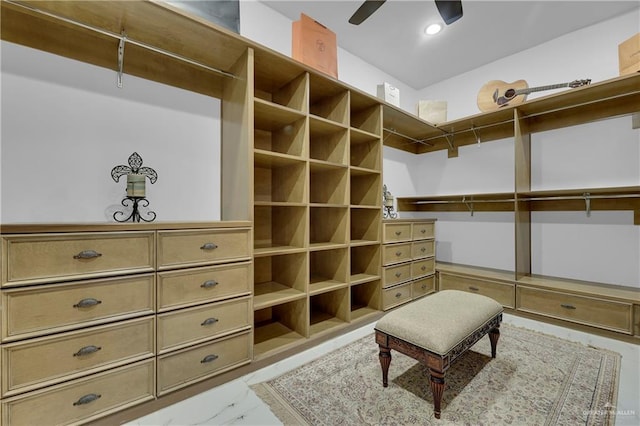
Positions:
{"x": 389, "y": 94}
{"x": 315, "y": 45}
{"x": 629, "y": 55}
{"x": 433, "y": 111}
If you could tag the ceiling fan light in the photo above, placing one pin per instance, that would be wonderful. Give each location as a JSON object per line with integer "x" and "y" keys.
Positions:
{"x": 433, "y": 29}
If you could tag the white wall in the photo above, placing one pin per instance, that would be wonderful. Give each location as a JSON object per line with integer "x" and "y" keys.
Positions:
{"x": 65, "y": 125}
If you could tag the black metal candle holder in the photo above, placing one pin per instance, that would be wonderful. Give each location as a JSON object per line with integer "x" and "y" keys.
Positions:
{"x": 387, "y": 198}
{"x": 133, "y": 200}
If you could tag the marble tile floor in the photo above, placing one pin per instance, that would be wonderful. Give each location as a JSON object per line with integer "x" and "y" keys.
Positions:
{"x": 234, "y": 403}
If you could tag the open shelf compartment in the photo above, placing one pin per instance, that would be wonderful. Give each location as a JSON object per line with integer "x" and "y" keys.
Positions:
{"x": 366, "y": 188}
{"x": 279, "y": 179}
{"x": 279, "y": 228}
{"x": 328, "y": 226}
{"x": 365, "y": 263}
{"x": 328, "y": 270}
{"x": 328, "y": 184}
{"x": 327, "y": 141}
{"x": 328, "y": 100}
{"x": 279, "y": 279}
{"x": 292, "y": 94}
{"x": 329, "y": 310}
{"x": 365, "y": 150}
{"x": 279, "y": 327}
{"x": 365, "y": 225}
{"x": 279, "y": 129}
{"x": 365, "y": 299}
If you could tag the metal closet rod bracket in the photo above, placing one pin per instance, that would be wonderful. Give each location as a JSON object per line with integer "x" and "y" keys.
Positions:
{"x": 469, "y": 205}
{"x": 587, "y": 203}
{"x": 123, "y": 39}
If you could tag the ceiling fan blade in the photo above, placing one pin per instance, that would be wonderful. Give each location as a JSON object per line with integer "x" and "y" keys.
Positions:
{"x": 450, "y": 10}
{"x": 365, "y": 10}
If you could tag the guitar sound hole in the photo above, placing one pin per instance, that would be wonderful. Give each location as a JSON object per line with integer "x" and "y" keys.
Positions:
{"x": 509, "y": 93}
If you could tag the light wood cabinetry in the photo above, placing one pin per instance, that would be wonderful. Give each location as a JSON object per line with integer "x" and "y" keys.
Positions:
{"x": 91, "y": 344}
{"x": 408, "y": 259}
{"x": 597, "y": 308}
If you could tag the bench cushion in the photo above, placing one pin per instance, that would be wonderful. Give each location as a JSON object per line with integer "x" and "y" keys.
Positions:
{"x": 439, "y": 322}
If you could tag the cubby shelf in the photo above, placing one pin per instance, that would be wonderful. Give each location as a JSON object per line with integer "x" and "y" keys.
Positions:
{"x": 273, "y": 293}
{"x": 272, "y": 335}
{"x": 329, "y": 310}
{"x": 365, "y": 299}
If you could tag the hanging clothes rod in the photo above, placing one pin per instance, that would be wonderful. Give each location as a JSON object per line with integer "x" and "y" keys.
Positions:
{"x": 420, "y": 141}
{"x": 509, "y": 200}
{"x": 126, "y": 39}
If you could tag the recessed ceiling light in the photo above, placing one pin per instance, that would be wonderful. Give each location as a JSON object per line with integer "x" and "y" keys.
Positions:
{"x": 433, "y": 29}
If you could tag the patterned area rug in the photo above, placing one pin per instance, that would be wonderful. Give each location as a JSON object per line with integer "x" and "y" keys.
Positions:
{"x": 535, "y": 379}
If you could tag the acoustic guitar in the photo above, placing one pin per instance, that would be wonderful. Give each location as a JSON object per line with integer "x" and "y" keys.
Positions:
{"x": 497, "y": 94}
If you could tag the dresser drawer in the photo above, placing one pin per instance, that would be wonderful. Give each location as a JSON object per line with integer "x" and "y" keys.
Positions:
{"x": 424, "y": 248}
{"x": 607, "y": 314}
{"x": 420, "y": 268}
{"x": 32, "y": 311}
{"x": 199, "y": 285}
{"x": 423, "y": 286}
{"x": 421, "y": 231}
{"x": 396, "y": 232}
{"x": 194, "y": 325}
{"x": 83, "y": 400}
{"x": 32, "y": 259}
{"x": 396, "y": 253}
{"x": 202, "y": 247}
{"x": 35, "y": 363}
{"x": 395, "y": 296}
{"x": 187, "y": 366}
{"x": 503, "y": 293}
{"x": 393, "y": 275}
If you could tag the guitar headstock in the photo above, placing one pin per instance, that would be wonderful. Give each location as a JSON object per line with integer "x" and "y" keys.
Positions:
{"x": 578, "y": 83}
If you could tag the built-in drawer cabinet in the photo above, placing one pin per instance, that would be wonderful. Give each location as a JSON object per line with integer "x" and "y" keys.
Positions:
{"x": 202, "y": 247}
{"x": 396, "y": 253}
{"x": 396, "y": 232}
{"x": 502, "y": 292}
{"x": 394, "y": 296}
{"x": 45, "y": 258}
{"x": 396, "y": 274}
{"x": 37, "y": 310}
{"x": 188, "y": 287}
{"x": 408, "y": 259}
{"x": 194, "y": 325}
{"x": 34, "y": 363}
{"x": 184, "y": 367}
{"x": 595, "y": 312}
{"x": 423, "y": 286}
{"x": 83, "y": 400}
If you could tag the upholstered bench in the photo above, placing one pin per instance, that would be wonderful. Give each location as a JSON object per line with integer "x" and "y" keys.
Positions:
{"x": 437, "y": 329}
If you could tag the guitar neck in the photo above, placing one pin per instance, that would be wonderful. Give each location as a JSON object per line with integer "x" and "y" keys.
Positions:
{"x": 540, "y": 88}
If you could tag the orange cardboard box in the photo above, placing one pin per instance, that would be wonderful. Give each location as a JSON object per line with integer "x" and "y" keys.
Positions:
{"x": 315, "y": 45}
{"x": 629, "y": 55}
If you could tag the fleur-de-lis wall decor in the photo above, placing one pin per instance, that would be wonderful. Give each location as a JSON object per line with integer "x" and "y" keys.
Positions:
{"x": 136, "y": 190}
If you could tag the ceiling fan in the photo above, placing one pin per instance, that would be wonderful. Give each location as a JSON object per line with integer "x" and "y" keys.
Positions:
{"x": 450, "y": 10}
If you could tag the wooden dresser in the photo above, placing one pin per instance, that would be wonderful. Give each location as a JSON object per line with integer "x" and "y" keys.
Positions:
{"x": 408, "y": 259}
{"x": 98, "y": 318}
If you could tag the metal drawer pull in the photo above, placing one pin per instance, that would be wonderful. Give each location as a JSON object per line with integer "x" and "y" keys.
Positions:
{"x": 87, "y": 350}
{"x": 423, "y": 249}
{"x": 424, "y": 286}
{"x": 398, "y": 253}
{"x": 423, "y": 231}
{"x": 87, "y": 303}
{"x": 424, "y": 268}
{"x": 87, "y": 254}
{"x": 209, "y": 284}
{"x": 398, "y": 295}
{"x": 209, "y": 321}
{"x": 398, "y": 233}
{"x": 209, "y": 246}
{"x": 87, "y": 399}
{"x": 209, "y": 358}
{"x": 564, "y": 305}
{"x": 474, "y": 288}
{"x": 398, "y": 274}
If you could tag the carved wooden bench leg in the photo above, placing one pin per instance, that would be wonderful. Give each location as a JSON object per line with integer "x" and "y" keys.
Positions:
{"x": 385, "y": 361}
{"x": 437, "y": 388}
{"x": 494, "y": 335}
